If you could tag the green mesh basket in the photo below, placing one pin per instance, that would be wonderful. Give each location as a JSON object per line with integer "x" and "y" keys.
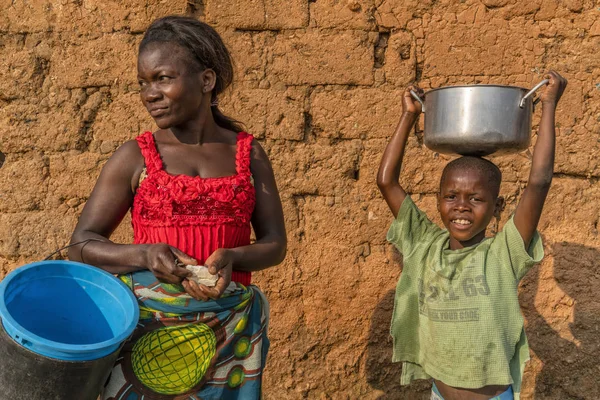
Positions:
{"x": 172, "y": 360}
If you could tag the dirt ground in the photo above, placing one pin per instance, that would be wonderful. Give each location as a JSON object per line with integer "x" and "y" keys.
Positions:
{"x": 319, "y": 83}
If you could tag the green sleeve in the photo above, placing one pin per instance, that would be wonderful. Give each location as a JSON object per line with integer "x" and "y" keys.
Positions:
{"x": 513, "y": 252}
{"x": 411, "y": 228}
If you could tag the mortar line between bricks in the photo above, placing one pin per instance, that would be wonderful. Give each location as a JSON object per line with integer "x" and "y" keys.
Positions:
{"x": 304, "y": 29}
{"x": 592, "y": 178}
{"x": 259, "y": 30}
{"x": 331, "y": 86}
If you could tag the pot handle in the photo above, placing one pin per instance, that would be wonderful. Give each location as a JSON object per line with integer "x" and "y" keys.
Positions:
{"x": 420, "y": 100}
{"x": 532, "y": 91}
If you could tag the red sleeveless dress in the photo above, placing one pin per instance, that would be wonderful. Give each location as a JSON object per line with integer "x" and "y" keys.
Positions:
{"x": 196, "y": 215}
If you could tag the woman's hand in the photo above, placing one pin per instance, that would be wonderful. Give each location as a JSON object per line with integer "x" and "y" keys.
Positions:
{"x": 164, "y": 262}
{"x": 410, "y": 104}
{"x": 554, "y": 88}
{"x": 219, "y": 263}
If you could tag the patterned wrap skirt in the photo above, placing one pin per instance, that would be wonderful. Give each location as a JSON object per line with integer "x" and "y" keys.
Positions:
{"x": 183, "y": 348}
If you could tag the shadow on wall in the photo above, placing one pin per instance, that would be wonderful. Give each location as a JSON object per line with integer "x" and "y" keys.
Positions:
{"x": 382, "y": 374}
{"x": 570, "y": 370}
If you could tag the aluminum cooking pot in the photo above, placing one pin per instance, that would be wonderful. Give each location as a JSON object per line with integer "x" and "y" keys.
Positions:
{"x": 478, "y": 119}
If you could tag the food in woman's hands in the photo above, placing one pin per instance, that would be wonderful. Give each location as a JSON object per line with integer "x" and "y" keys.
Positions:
{"x": 201, "y": 275}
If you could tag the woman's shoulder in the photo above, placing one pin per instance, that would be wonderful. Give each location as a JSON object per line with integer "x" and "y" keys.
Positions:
{"x": 130, "y": 149}
{"x": 127, "y": 159}
{"x": 127, "y": 163}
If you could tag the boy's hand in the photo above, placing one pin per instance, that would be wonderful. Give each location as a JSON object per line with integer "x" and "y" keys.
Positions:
{"x": 554, "y": 88}
{"x": 409, "y": 104}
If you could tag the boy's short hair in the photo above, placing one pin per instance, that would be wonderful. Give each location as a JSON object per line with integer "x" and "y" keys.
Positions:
{"x": 481, "y": 165}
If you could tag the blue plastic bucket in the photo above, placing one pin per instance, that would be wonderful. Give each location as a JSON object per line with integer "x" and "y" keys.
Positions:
{"x": 67, "y": 310}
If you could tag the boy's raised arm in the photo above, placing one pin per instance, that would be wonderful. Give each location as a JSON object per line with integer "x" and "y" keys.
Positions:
{"x": 529, "y": 210}
{"x": 391, "y": 162}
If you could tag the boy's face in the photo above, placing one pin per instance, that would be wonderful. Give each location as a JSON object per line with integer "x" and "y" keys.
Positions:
{"x": 466, "y": 204}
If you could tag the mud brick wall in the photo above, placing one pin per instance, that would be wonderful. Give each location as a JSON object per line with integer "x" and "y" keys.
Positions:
{"x": 319, "y": 83}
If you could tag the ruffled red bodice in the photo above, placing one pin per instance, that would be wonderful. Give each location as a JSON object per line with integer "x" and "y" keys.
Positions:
{"x": 196, "y": 215}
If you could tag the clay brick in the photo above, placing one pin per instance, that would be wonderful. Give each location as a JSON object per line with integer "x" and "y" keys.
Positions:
{"x": 24, "y": 184}
{"x": 250, "y": 51}
{"x": 278, "y": 114}
{"x": 9, "y": 241}
{"x": 100, "y": 62}
{"x": 342, "y": 223}
{"x": 25, "y": 237}
{"x": 26, "y": 128}
{"x": 291, "y": 216}
{"x": 520, "y": 8}
{"x": 91, "y": 18}
{"x": 421, "y": 169}
{"x": 467, "y": 16}
{"x": 400, "y": 60}
{"x": 21, "y": 73}
{"x": 143, "y": 13}
{"x": 254, "y": 14}
{"x": 349, "y": 14}
{"x": 576, "y": 152}
{"x": 574, "y": 5}
{"x": 248, "y": 107}
{"x": 387, "y": 18}
{"x": 317, "y": 168}
{"x": 64, "y": 121}
{"x": 356, "y": 114}
{"x": 572, "y": 104}
{"x": 7, "y": 265}
{"x": 26, "y": 16}
{"x": 285, "y": 114}
{"x": 391, "y": 14}
{"x": 318, "y": 57}
{"x": 122, "y": 120}
{"x": 368, "y": 167}
{"x": 496, "y": 3}
{"x": 546, "y": 11}
{"x": 595, "y": 29}
{"x": 84, "y": 169}
{"x": 85, "y": 17}
{"x": 576, "y": 148}
{"x": 452, "y": 50}
{"x": 568, "y": 213}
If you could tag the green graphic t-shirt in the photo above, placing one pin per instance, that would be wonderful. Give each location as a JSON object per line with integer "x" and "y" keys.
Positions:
{"x": 456, "y": 312}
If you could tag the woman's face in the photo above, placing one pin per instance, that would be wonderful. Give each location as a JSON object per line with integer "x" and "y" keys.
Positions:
{"x": 172, "y": 90}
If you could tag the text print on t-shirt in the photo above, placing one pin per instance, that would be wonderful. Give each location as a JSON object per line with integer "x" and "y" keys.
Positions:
{"x": 439, "y": 303}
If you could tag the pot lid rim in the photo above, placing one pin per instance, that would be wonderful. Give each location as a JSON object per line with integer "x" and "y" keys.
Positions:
{"x": 476, "y": 86}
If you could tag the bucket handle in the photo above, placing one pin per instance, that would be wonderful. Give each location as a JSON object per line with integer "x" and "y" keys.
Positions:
{"x": 420, "y": 100}
{"x": 532, "y": 91}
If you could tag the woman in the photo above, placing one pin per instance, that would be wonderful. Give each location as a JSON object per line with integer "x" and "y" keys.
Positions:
{"x": 194, "y": 187}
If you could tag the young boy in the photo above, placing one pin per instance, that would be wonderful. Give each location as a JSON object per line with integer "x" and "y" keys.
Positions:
{"x": 456, "y": 314}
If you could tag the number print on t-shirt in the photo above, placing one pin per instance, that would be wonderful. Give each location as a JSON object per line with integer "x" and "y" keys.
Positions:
{"x": 440, "y": 301}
